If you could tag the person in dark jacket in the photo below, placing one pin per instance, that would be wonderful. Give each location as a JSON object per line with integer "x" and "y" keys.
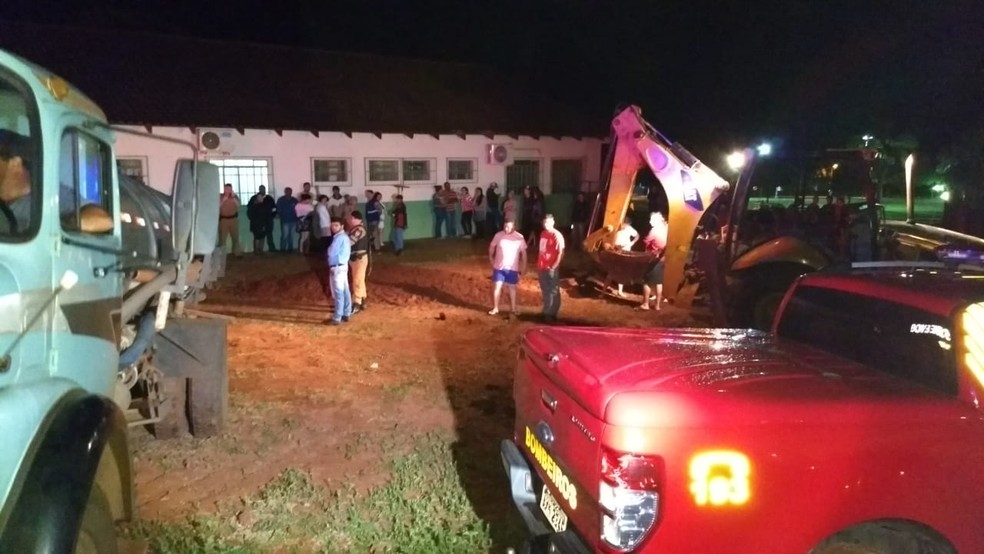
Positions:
{"x": 493, "y": 221}
{"x": 579, "y": 220}
{"x": 261, "y": 210}
{"x": 374, "y": 216}
{"x": 288, "y": 219}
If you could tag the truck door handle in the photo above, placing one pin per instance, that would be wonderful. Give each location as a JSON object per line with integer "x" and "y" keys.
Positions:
{"x": 549, "y": 401}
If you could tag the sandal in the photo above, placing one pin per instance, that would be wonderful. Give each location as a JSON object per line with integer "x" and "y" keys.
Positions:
{"x": 494, "y": 311}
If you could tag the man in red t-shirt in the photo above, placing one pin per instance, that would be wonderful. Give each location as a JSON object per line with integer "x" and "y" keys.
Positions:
{"x": 655, "y": 242}
{"x": 548, "y": 264}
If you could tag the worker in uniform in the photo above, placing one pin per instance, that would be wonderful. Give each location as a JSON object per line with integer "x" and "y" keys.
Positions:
{"x": 229, "y": 218}
{"x": 359, "y": 261}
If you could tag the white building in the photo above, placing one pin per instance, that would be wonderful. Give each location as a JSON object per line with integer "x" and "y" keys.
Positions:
{"x": 389, "y": 163}
{"x": 279, "y": 117}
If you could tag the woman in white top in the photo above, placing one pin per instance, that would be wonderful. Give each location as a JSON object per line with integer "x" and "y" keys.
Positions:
{"x": 303, "y": 210}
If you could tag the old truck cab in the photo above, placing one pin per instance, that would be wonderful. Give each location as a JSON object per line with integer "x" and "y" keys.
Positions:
{"x": 856, "y": 423}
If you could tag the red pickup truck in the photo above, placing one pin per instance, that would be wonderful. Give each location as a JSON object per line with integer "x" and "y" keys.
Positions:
{"x": 855, "y": 426}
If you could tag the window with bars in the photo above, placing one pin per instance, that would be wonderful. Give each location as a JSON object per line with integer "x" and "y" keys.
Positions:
{"x": 565, "y": 176}
{"x": 419, "y": 171}
{"x": 134, "y": 167}
{"x": 382, "y": 171}
{"x": 462, "y": 170}
{"x": 246, "y": 175}
{"x": 330, "y": 171}
{"x": 523, "y": 173}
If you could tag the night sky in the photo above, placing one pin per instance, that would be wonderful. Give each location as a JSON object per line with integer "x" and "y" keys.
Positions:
{"x": 721, "y": 72}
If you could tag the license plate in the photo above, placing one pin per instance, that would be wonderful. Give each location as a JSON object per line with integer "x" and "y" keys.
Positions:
{"x": 551, "y": 509}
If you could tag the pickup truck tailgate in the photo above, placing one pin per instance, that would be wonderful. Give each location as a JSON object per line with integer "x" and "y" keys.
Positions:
{"x": 559, "y": 438}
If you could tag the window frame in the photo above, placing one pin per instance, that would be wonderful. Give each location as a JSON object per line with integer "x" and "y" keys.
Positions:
{"x": 144, "y": 166}
{"x": 244, "y": 198}
{"x": 37, "y": 158}
{"x": 474, "y": 170}
{"x": 107, "y": 183}
{"x": 431, "y": 171}
{"x": 577, "y": 188}
{"x": 399, "y": 172}
{"x": 819, "y": 310}
{"x": 513, "y": 168}
{"x": 348, "y": 172}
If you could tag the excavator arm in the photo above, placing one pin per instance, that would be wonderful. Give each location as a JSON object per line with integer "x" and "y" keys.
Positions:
{"x": 690, "y": 188}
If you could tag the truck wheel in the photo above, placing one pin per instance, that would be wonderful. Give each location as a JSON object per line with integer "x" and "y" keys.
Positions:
{"x": 97, "y": 533}
{"x": 208, "y": 401}
{"x": 174, "y": 409}
{"x": 885, "y": 538}
{"x": 760, "y": 294}
{"x": 195, "y": 351}
{"x": 764, "y": 308}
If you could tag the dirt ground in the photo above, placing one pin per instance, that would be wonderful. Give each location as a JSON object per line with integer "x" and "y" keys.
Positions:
{"x": 424, "y": 358}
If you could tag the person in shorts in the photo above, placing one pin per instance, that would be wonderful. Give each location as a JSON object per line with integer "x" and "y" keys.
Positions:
{"x": 655, "y": 242}
{"x": 507, "y": 254}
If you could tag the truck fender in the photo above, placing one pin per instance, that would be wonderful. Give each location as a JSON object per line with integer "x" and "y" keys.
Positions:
{"x": 785, "y": 249}
{"x": 80, "y": 448}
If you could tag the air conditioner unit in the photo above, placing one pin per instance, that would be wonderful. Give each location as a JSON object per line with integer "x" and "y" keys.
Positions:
{"x": 499, "y": 154}
{"x": 216, "y": 142}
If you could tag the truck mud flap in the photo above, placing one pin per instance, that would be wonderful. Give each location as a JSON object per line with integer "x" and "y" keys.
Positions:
{"x": 196, "y": 349}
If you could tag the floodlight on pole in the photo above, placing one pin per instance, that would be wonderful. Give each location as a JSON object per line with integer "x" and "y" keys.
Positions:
{"x": 764, "y": 149}
{"x": 736, "y": 160}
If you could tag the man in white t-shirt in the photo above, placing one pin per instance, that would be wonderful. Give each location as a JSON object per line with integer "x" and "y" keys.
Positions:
{"x": 336, "y": 202}
{"x": 507, "y": 254}
{"x": 625, "y": 239}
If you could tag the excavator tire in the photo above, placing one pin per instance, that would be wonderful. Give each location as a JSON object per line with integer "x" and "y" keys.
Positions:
{"x": 760, "y": 294}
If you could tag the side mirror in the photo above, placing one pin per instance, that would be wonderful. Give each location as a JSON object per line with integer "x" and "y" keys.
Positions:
{"x": 189, "y": 199}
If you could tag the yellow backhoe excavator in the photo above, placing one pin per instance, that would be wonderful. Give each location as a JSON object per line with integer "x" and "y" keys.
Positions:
{"x": 745, "y": 259}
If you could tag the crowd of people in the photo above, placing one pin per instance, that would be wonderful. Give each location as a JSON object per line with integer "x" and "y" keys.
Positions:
{"x": 345, "y": 233}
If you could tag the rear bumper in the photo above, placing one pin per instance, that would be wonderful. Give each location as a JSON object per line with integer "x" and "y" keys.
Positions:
{"x": 523, "y": 483}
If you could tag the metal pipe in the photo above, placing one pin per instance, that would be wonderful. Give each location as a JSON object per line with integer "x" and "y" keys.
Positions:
{"x": 145, "y": 334}
{"x": 910, "y": 209}
{"x": 134, "y": 303}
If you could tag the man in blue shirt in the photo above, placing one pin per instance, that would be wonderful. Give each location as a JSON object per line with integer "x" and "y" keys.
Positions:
{"x": 288, "y": 219}
{"x": 338, "y": 261}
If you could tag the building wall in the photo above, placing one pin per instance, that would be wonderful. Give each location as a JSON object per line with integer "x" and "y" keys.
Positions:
{"x": 291, "y": 153}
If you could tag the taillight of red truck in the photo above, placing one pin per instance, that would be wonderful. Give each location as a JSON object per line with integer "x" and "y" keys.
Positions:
{"x": 629, "y": 497}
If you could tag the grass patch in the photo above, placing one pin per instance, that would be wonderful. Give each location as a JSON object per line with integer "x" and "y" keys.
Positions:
{"x": 422, "y": 508}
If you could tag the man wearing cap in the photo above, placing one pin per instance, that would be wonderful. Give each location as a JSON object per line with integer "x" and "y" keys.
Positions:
{"x": 548, "y": 265}
{"x": 338, "y": 262}
{"x": 359, "y": 262}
